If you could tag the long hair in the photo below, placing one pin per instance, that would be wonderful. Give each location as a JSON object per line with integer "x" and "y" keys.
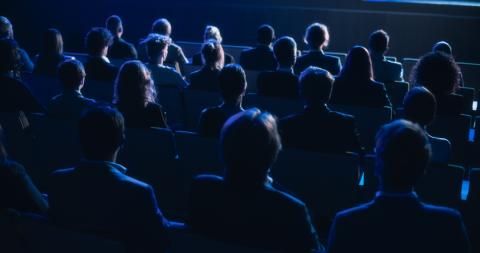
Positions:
{"x": 358, "y": 65}
{"x": 52, "y": 42}
{"x": 213, "y": 54}
{"x": 134, "y": 86}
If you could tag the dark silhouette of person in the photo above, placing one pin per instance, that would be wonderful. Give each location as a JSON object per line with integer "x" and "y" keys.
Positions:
{"x": 157, "y": 50}
{"x": 135, "y": 97}
{"x": 206, "y": 78}
{"x": 396, "y": 220}
{"x": 261, "y": 57}
{"x": 383, "y": 70}
{"x": 98, "y": 66}
{"x": 420, "y": 106}
{"x": 120, "y": 49}
{"x": 17, "y": 190}
{"x": 6, "y": 32}
{"x": 317, "y": 38}
{"x": 211, "y": 33}
{"x": 282, "y": 83}
{"x": 445, "y": 47}
{"x": 51, "y": 55}
{"x": 318, "y": 128}
{"x": 355, "y": 85}
{"x": 439, "y": 73}
{"x": 70, "y": 104}
{"x": 97, "y": 196}
{"x": 242, "y": 207}
{"x": 14, "y": 95}
{"x": 233, "y": 84}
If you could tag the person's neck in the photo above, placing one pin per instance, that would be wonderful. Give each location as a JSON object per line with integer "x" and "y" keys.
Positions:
{"x": 316, "y": 49}
{"x": 234, "y": 105}
{"x": 395, "y": 190}
{"x": 158, "y": 63}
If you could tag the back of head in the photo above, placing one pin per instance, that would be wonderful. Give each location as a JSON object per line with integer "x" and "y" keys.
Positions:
{"x": 419, "y": 106}
{"x": 156, "y": 45}
{"x": 265, "y": 34}
{"x": 232, "y": 82}
{"x": 212, "y": 33}
{"x": 97, "y": 39}
{"x": 6, "y": 28}
{"x": 358, "y": 65}
{"x": 101, "y": 132}
{"x": 443, "y": 47}
{"x": 317, "y": 36}
{"x": 212, "y": 53}
{"x": 249, "y": 145}
{"x": 71, "y": 74}
{"x": 114, "y": 25}
{"x": 52, "y": 42}
{"x": 378, "y": 42}
{"x": 162, "y": 26}
{"x": 316, "y": 86}
{"x": 285, "y": 50}
{"x": 438, "y": 72}
{"x": 402, "y": 155}
{"x": 9, "y": 57}
{"x": 134, "y": 86}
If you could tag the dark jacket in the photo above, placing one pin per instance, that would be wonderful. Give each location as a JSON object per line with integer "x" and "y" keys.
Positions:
{"x": 197, "y": 59}
{"x": 318, "y": 59}
{"x": 98, "y": 69}
{"x": 48, "y": 64}
{"x": 204, "y": 79}
{"x": 120, "y": 49}
{"x": 386, "y": 71}
{"x": 15, "y": 96}
{"x": 282, "y": 84}
{"x": 69, "y": 105}
{"x": 151, "y": 115}
{"x": 260, "y": 58}
{"x": 212, "y": 120}
{"x": 359, "y": 93}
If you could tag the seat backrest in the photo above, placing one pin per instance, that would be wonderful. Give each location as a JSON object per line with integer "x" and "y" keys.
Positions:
{"x": 99, "y": 90}
{"x": 188, "y": 69}
{"x": 235, "y": 51}
{"x": 252, "y": 77}
{"x": 474, "y": 189}
{"x": 470, "y": 74}
{"x": 327, "y": 183}
{"x": 342, "y": 56}
{"x": 280, "y": 107}
{"x": 171, "y": 99}
{"x": 78, "y": 56}
{"x": 195, "y": 102}
{"x": 408, "y": 64}
{"x": 396, "y": 92}
{"x": 43, "y": 88}
{"x": 189, "y": 48}
{"x": 469, "y": 96}
{"x": 18, "y": 138}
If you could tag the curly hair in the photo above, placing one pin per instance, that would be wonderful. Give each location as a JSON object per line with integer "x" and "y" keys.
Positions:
{"x": 134, "y": 86}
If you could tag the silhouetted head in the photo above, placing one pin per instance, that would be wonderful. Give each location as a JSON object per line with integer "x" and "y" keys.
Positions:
{"x": 378, "y": 42}
{"x": 265, "y": 35}
{"x": 212, "y": 33}
{"x": 97, "y": 41}
{"x": 162, "y": 26}
{"x": 402, "y": 155}
{"x": 213, "y": 55}
{"x": 316, "y": 86}
{"x": 114, "y": 25}
{"x": 358, "y": 65}
{"x": 71, "y": 75}
{"x": 134, "y": 86}
{"x": 9, "y": 56}
{"x": 101, "y": 132}
{"x": 443, "y": 47}
{"x": 157, "y": 47}
{"x": 420, "y": 106}
{"x": 285, "y": 50}
{"x": 249, "y": 145}
{"x": 233, "y": 83}
{"x": 317, "y": 36}
{"x": 6, "y": 28}
{"x": 52, "y": 42}
{"x": 438, "y": 72}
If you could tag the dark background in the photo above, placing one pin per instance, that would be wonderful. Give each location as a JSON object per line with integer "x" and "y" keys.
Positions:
{"x": 413, "y": 28}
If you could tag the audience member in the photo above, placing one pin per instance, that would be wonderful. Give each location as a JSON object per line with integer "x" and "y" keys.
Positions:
{"x": 355, "y": 84}
{"x": 261, "y": 57}
{"x": 6, "y": 32}
{"x": 396, "y": 220}
{"x": 120, "y": 49}
{"x": 439, "y": 73}
{"x": 317, "y": 38}
{"x": 98, "y": 66}
{"x": 207, "y": 77}
{"x": 444, "y": 47}
{"x": 211, "y": 33}
{"x": 281, "y": 82}
{"x": 51, "y": 55}
{"x": 318, "y": 128}
{"x": 233, "y": 84}
{"x": 384, "y": 70}
{"x": 135, "y": 97}
{"x": 98, "y": 197}
{"x": 70, "y": 103}
{"x": 14, "y": 95}
{"x": 157, "y": 50}
{"x": 242, "y": 206}
{"x": 17, "y": 190}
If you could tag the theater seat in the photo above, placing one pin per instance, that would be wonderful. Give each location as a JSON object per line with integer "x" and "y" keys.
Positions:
{"x": 99, "y": 90}
{"x": 396, "y": 92}
{"x": 171, "y": 99}
{"x": 195, "y": 102}
{"x": 43, "y": 88}
{"x": 252, "y": 77}
{"x": 279, "y": 107}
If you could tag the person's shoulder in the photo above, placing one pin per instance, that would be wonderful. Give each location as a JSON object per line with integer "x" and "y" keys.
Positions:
{"x": 332, "y": 58}
{"x": 342, "y": 116}
{"x": 284, "y": 199}
{"x": 62, "y": 172}
{"x": 354, "y": 212}
{"x": 175, "y": 46}
{"x": 13, "y": 167}
{"x": 290, "y": 120}
{"x": 441, "y": 212}
{"x": 439, "y": 140}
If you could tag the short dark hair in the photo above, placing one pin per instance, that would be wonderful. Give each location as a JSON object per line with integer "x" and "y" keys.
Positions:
{"x": 316, "y": 85}
{"x": 53, "y": 42}
{"x": 317, "y": 35}
{"x": 438, "y": 72}
{"x": 71, "y": 73}
{"x": 250, "y": 144}
{"x": 97, "y": 39}
{"x": 232, "y": 82}
{"x": 402, "y": 154}
{"x": 265, "y": 34}
{"x": 442, "y": 46}
{"x": 212, "y": 52}
{"x": 378, "y": 41}
{"x": 9, "y": 56}
{"x": 156, "y": 43}
{"x": 114, "y": 24}
{"x": 420, "y": 106}
{"x": 285, "y": 50}
{"x": 162, "y": 26}
{"x": 101, "y": 132}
